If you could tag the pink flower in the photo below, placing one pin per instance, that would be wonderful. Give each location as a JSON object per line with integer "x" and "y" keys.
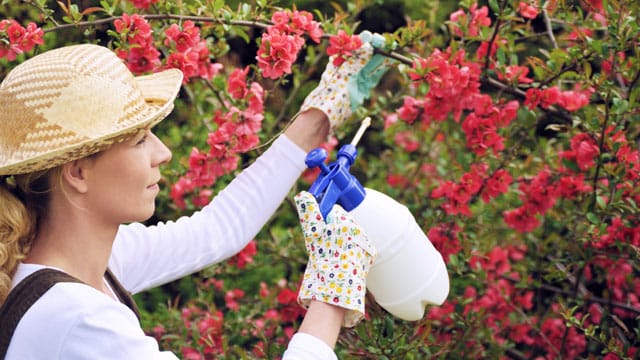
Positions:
{"x": 516, "y": 74}
{"x": 140, "y": 59}
{"x": 20, "y": 39}
{"x": 143, "y": 4}
{"x": 277, "y": 53}
{"x": 573, "y": 100}
{"x": 187, "y": 62}
{"x": 237, "y": 85}
{"x": 190, "y": 53}
{"x": 135, "y": 29}
{"x": 302, "y": 22}
{"x": 185, "y": 39}
{"x": 407, "y": 140}
{"x": 230, "y": 299}
{"x": 479, "y": 18}
{"x": 410, "y": 109}
{"x": 283, "y": 40}
{"x": 544, "y": 98}
{"x": 528, "y": 11}
{"x": 342, "y": 46}
{"x": 202, "y": 199}
{"x": 136, "y": 47}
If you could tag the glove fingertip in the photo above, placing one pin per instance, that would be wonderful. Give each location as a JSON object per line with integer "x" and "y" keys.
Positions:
{"x": 377, "y": 40}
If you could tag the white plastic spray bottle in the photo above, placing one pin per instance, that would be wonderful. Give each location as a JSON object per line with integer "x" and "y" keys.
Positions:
{"x": 408, "y": 273}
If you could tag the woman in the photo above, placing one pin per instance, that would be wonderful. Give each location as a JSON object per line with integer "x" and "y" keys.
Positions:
{"x": 78, "y": 160}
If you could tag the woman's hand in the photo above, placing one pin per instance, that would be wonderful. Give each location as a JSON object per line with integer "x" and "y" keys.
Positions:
{"x": 340, "y": 256}
{"x": 344, "y": 87}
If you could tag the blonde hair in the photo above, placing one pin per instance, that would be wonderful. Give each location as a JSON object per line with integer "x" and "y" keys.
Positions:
{"x": 25, "y": 199}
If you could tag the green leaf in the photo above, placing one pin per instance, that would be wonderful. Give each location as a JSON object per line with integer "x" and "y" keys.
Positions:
{"x": 218, "y": 5}
{"x": 501, "y": 56}
{"x": 493, "y": 4}
{"x": 593, "y": 218}
{"x": 105, "y": 5}
{"x": 602, "y": 203}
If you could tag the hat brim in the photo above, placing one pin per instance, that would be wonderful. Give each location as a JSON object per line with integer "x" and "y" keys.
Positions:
{"x": 159, "y": 91}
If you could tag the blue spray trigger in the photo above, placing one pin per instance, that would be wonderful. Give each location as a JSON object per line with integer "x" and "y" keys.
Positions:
{"x": 335, "y": 185}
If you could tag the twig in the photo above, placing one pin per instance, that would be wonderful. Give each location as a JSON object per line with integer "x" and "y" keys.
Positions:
{"x": 547, "y": 23}
{"x": 601, "y": 149}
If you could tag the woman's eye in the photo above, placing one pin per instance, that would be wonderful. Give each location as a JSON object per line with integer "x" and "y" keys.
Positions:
{"x": 142, "y": 140}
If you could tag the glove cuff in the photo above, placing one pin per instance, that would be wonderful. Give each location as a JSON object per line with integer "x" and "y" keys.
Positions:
{"x": 342, "y": 286}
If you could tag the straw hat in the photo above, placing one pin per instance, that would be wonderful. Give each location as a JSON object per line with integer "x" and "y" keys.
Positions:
{"x": 67, "y": 103}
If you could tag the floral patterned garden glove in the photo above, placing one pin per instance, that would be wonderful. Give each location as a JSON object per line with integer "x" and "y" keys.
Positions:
{"x": 344, "y": 87}
{"x": 340, "y": 256}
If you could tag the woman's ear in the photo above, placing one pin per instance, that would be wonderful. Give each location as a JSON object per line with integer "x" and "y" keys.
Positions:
{"x": 74, "y": 174}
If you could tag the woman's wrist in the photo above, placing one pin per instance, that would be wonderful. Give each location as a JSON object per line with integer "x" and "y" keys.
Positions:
{"x": 309, "y": 129}
{"x": 323, "y": 321}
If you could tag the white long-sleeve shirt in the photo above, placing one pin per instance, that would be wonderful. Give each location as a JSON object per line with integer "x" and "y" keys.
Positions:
{"x": 75, "y": 321}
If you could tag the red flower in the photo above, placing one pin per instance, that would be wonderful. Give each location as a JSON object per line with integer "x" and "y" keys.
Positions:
{"x": 245, "y": 256}
{"x": 444, "y": 238}
{"x": 287, "y": 296}
{"x": 453, "y": 83}
{"x": 521, "y": 219}
{"x": 497, "y": 184}
{"x": 584, "y": 150}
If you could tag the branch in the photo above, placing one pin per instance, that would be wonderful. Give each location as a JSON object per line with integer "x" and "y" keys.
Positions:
{"x": 494, "y": 36}
{"x": 83, "y": 24}
{"x": 586, "y": 297}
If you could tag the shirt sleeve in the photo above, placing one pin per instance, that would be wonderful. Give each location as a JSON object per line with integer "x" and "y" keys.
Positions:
{"x": 145, "y": 257}
{"x": 308, "y": 347}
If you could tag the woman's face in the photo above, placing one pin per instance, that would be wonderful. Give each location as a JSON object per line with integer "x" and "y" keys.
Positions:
{"x": 123, "y": 180}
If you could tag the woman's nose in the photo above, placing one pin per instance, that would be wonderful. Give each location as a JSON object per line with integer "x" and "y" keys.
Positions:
{"x": 161, "y": 153}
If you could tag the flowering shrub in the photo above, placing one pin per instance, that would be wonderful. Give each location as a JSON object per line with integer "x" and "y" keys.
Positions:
{"x": 511, "y": 130}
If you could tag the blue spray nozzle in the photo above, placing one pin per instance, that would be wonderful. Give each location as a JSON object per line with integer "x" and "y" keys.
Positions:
{"x": 335, "y": 185}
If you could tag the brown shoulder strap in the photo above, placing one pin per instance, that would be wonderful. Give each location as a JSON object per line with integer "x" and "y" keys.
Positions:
{"x": 22, "y": 297}
{"x": 122, "y": 293}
